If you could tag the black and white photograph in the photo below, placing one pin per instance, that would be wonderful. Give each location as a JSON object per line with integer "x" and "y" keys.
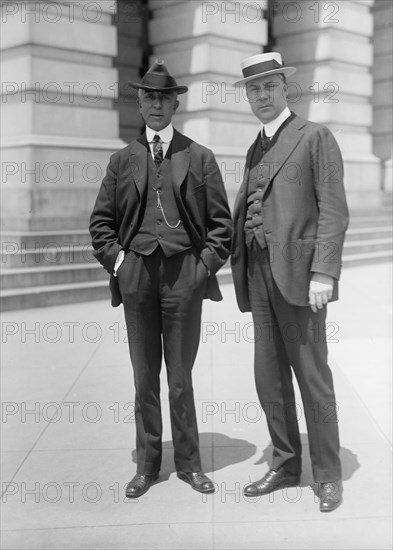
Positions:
{"x": 196, "y": 274}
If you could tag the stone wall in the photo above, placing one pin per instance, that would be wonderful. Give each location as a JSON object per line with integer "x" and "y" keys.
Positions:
{"x": 58, "y": 119}
{"x": 331, "y": 44}
{"x": 382, "y": 89}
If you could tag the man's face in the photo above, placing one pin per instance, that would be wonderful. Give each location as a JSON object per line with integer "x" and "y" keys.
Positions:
{"x": 267, "y": 96}
{"x": 157, "y": 108}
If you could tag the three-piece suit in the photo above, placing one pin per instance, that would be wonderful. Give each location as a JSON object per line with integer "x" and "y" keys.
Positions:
{"x": 292, "y": 227}
{"x": 174, "y": 224}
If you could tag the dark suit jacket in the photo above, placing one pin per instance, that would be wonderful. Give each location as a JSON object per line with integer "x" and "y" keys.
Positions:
{"x": 304, "y": 210}
{"x": 200, "y": 196}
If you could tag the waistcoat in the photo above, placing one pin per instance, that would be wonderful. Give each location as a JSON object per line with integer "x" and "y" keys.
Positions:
{"x": 154, "y": 230}
{"x": 253, "y": 226}
{"x": 257, "y": 182}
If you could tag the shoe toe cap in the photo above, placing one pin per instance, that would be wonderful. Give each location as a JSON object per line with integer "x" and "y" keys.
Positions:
{"x": 251, "y": 490}
{"x": 208, "y": 487}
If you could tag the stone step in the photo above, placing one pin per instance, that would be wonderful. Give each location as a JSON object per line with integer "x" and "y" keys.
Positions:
{"x": 48, "y": 256}
{"x": 364, "y": 258}
{"x": 81, "y": 236}
{"x": 44, "y": 268}
{"x": 65, "y": 250}
{"x": 44, "y": 276}
{"x": 56, "y": 294}
{"x": 367, "y": 246}
{"x": 52, "y": 295}
{"x": 370, "y": 221}
{"x": 13, "y": 240}
{"x": 354, "y": 233}
{"x": 34, "y": 273}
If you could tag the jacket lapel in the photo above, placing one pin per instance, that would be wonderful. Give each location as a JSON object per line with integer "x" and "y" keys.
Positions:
{"x": 277, "y": 156}
{"x": 240, "y": 203}
{"x": 138, "y": 163}
{"x": 180, "y": 159}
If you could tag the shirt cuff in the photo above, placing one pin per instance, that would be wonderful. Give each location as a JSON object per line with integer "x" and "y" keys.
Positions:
{"x": 119, "y": 261}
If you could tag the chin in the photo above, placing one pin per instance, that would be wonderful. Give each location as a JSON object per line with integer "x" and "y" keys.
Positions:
{"x": 267, "y": 119}
{"x": 157, "y": 124}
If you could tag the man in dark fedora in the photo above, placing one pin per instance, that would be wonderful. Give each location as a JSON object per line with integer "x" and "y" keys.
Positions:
{"x": 290, "y": 218}
{"x": 161, "y": 227}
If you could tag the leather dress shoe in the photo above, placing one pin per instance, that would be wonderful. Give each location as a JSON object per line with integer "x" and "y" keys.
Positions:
{"x": 139, "y": 485}
{"x": 198, "y": 481}
{"x": 330, "y": 495}
{"x": 272, "y": 481}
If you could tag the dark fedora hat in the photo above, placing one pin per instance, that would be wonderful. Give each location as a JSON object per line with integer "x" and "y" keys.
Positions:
{"x": 158, "y": 78}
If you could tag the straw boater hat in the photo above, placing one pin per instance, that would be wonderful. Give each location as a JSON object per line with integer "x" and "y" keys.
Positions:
{"x": 262, "y": 65}
{"x": 158, "y": 78}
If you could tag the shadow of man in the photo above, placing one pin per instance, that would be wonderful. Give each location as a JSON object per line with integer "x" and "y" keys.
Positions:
{"x": 217, "y": 452}
{"x": 349, "y": 462}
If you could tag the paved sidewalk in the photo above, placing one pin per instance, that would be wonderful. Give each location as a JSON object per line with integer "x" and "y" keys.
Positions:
{"x": 68, "y": 434}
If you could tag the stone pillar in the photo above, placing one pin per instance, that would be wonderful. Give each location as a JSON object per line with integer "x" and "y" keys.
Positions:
{"x": 382, "y": 95}
{"x": 131, "y": 20}
{"x": 202, "y": 44}
{"x": 330, "y": 42}
{"x": 59, "y": 124}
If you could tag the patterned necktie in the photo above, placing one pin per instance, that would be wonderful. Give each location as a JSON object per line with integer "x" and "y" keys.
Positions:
{"x": 265, "y": 141}
{"x": 157, "y": 150}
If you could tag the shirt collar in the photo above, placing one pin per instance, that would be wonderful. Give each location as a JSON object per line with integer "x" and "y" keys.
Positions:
{"x": 272, "y": 126}
{"x": 166, "y": 134}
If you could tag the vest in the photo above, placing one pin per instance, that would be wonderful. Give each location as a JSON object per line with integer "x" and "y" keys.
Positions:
{"x": 154, "y": 230}
{"x": 257, "y": 182}
{"x": 253, "y": 226}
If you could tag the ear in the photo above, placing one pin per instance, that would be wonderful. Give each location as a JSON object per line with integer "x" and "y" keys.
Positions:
{"x": 176, "y": 105}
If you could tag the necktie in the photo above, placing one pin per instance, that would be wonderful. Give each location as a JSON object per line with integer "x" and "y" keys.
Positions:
{"x": 265, "y": 141}
{"x": 157, "y": 150}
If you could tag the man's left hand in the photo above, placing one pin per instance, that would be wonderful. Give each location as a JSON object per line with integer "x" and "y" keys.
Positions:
{"x": 320, "y": 291}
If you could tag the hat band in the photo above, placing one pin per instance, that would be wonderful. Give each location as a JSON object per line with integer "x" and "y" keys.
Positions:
{"x": 263, "y": 67}
{"x": 159, "y": 81}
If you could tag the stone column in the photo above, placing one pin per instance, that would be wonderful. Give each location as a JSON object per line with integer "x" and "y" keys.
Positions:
{"x": 202, "y": 44}
{"x": 330, "y": 42}
{"x": 382, "y": 95}
{"x": 59, "y": 124}
{"x": 131, "y": 20}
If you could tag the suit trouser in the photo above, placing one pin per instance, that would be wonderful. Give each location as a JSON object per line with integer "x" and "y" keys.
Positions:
{"x": 163, "y": 304}
{"x": 285, "y": 336}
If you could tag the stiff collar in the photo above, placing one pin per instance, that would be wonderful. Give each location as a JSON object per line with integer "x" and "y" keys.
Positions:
{"x": 272, "y": 126}
{"x": 166, "y": 134}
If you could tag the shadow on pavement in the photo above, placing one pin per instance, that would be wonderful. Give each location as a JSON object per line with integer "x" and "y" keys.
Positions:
{"x": 216, "y": 448}
{"x": 349, "y": 461}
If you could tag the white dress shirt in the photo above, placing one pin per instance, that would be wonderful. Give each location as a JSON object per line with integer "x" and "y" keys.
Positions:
{"x": 272, "y": 126}
{"x": 166, "y": 136}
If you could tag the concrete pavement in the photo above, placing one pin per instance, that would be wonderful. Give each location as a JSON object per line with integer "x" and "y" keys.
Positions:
{"x": 68, "y": 434}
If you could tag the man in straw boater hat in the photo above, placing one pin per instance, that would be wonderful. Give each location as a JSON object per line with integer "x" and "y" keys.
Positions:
{"x": 161, "y": 227}
{"x": 290, "y": 218}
